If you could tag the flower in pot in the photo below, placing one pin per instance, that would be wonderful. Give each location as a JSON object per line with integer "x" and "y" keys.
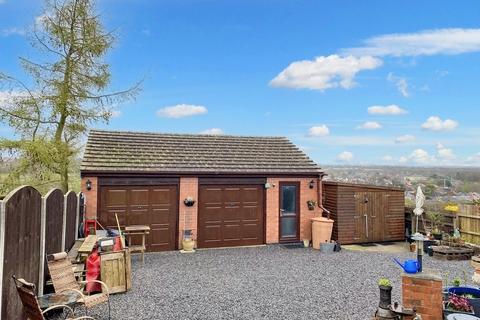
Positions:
{"x": 385, "y": 287}
{"x": 189, "y": 201}
{"x": 311, "y": 204}
{"x": 457, "y": 304}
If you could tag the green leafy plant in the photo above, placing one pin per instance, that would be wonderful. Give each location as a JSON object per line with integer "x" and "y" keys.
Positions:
{"x": 311, "y": 203}
{"x": 384, "y": 282}
{"x": 456, "y": 282}
{"x": 435, "y": 218}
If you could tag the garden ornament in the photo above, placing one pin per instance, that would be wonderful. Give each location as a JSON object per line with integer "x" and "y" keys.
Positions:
{"x": 409, "y": 266}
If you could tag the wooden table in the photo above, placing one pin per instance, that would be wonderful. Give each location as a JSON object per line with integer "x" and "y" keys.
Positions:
{"x": 137, "y": 230}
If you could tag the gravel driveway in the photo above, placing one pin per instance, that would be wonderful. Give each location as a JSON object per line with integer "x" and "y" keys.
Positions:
{"x": 269, "y": 282}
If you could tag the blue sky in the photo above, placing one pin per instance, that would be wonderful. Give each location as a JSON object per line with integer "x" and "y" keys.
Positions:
{"x": 362, "y": 82}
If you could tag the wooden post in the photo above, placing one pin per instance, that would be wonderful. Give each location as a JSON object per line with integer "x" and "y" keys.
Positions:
{"x": 2, "y": 249}
{"x": 43, "y": 223}
{"x": 77, "y": 215}
{"x": 64, "y": 229}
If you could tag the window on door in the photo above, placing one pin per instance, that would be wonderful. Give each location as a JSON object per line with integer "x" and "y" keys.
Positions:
{"x": 289, "y": 211}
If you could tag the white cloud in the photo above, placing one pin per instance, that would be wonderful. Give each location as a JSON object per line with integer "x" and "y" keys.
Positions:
{"x": 14, "y": 31}
{"x": 318, "y": 131}
{"x": 400, "y": 83}
{"x": 387, "y": 158}
{"x": 426, "y": 43}
{"x": 213, "y": 131}
{"x": 345, "y": 156}
{"x": 392, "y": 109}
{"x": 444, "y": 153}
{"x": 403, "y": 160}
{"x": 475, "y": 159}
{"x": 435, "y": 123}
{"x": 324, "y": 72}
{"x": 181, "y": 111}
{"x": 421, "y": 156}
{"x": 370, "y": 125}
{"x": 405, "y": 138}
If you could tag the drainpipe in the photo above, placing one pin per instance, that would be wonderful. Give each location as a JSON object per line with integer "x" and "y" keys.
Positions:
{"x": 320, "y": 195}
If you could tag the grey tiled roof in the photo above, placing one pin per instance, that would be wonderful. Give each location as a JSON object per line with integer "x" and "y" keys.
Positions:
{"x": 116, "y": 151}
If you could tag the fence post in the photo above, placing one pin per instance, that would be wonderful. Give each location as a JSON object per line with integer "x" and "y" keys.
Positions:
{"x": 64, "y": 228}
{"x": 77, "y": 214}
{"x": 2, "y": 249}
{"x": 43, "y": 222}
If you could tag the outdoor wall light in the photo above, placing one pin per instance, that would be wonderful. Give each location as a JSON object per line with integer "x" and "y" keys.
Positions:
{"x": 311, "y": 185}
{"x": 88, "y": 185}
{"x": 268, "y": 185}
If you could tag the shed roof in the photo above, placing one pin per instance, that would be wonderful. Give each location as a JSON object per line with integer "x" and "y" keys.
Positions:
{"x": 143, "y": 152}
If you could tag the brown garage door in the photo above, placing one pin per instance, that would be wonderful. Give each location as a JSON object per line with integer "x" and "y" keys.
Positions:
{"x": 230, "y": 215}
{"x": 155, "y": 206}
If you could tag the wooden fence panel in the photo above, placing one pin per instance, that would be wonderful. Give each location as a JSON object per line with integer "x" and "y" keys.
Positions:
{"x": 54, "y": 221}
{"x": 21, "y": 223}
{"x": 469, "y": 223}
{"x": 71, "y": 219}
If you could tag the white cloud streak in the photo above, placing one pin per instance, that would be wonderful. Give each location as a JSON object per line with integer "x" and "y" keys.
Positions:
{"x": 324, "y": 72}
{"x": 400, "y": 83}
{"x": 13, "y": 31}
{"x": 423, "y": 43}
{"x": 390, "y": 110}
{"x": 370, "y": 125}
{"x": 405, "y": 138}
{"x": 181, "y": 111}
{"x": 213, "y": 131}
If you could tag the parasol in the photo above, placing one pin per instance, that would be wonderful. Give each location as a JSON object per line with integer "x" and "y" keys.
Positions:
{"x": 419, "y": 202}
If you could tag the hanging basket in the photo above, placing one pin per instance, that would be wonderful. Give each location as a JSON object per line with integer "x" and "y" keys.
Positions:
{"x": 189, "y": 202}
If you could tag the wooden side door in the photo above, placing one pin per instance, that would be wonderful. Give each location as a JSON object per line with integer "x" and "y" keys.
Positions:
{"x": 360, "y": 217}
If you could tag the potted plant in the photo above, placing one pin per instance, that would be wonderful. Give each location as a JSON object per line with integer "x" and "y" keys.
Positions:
{"x": 436, "y": 219}
{"x": 306, "y": 243}
{"x": 471, "y": 294}
{"x": 311, "y": 204}
{"x": 385, "y": 287}
{"x": 457, "y": 304}
{"x": 189, "y": 202}
{"x": 188, "y": 243}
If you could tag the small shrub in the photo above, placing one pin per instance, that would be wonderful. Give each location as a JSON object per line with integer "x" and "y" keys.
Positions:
{"x": 457, "y": 282}
{"x": 384, "y": 282}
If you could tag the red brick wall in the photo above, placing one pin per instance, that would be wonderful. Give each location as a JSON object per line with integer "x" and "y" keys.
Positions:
{"x": 91, "y": 197}
{"x": 187, "y": 215}
{"x": 272, "y": 207}
{"x": 424, "y": 292}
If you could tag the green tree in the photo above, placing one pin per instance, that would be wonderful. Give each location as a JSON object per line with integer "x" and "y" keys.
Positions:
{"x": 67, "y": 94}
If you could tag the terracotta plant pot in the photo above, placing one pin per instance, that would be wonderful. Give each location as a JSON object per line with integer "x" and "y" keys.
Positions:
{"x": 188, "y": 244}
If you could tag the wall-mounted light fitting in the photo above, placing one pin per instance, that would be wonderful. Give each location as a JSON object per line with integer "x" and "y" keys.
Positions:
{"x": 311, "y": 185}
{"x": 88, "y": 185}
{"x": 268, "y": 185}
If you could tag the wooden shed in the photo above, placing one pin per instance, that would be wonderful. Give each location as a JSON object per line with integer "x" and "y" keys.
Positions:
{"x": 365, "y": 213}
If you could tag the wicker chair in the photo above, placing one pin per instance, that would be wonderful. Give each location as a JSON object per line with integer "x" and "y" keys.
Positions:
{"x": 32, "y": 310}
{"x": 63, "y": 279}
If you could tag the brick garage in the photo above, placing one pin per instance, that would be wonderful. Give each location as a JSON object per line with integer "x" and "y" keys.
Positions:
{"x": 247, "y": 190}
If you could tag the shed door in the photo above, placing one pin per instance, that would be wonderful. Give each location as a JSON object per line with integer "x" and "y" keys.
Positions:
{"x": 154, "y": 206}
{"x": 230, "y": 215}
{"x": 369, "y": 218}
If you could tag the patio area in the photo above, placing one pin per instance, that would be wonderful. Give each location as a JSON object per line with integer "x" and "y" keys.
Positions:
{"x": 266, "y": 282}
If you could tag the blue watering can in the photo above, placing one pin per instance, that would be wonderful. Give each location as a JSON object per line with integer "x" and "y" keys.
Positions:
{"x": 410, "y": 266}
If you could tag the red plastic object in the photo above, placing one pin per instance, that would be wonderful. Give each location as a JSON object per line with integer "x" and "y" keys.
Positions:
{"x": 117, "y": 246}
{"x": 89, "y": 223}
{"x": 93, "y": 272}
